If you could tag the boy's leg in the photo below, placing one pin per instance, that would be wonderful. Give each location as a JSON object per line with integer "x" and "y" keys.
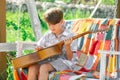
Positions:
{"x": 44, "y": 71}
{"x": 33, "y": 72}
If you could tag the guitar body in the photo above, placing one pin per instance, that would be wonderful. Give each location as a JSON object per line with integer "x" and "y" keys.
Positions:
{"x": 32, "y": 58}
{"x": 26, "y": 60}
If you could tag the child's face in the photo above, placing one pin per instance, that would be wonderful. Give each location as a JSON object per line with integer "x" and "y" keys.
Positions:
{"x": 56, "y": 28}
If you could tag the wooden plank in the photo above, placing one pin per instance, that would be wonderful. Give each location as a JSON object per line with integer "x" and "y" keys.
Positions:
{"x": 3, "y": 60}
{"x": 118, "y": 9}
{"x": 6, "y": 47}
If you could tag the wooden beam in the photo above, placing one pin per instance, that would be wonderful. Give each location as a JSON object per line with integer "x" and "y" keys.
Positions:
{"x": 3, "y": 60}
{"x": 6, "y": 47}
{"x": 118, "y": 9}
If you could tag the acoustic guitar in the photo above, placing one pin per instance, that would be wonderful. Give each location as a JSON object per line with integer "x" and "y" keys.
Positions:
{"x": 46, "y": 53}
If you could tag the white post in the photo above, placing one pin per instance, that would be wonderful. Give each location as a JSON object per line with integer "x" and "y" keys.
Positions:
{"x": 34, "y": 18}
{"x": 103, "y": 62}
{"x": 102, "y": 66}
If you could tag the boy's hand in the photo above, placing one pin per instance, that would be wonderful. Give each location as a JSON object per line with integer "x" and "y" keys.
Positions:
{"x": 38, "y": 48}
{"x": 68, "y": 41}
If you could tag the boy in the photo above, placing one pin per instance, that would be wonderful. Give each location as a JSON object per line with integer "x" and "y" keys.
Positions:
{"x": 55, "y": 21}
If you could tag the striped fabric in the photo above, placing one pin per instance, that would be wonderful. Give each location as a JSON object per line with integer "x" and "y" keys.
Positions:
{"x": 88, "y": 46}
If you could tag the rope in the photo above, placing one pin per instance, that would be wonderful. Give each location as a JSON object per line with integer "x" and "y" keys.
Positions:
{"x": 19, "y": 44}
{"x": 96, "y": 7}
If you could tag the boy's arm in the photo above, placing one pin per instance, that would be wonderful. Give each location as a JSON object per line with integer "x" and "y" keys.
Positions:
{"x": 69, "y": 53}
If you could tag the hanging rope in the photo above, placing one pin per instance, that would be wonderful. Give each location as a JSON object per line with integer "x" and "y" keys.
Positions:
{"x": 19, "y": 44}
{"x": 96, "y": 7}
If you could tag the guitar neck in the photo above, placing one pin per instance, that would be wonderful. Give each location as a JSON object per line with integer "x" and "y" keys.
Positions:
{"x": 80, "y": 35}
{"x": 60, "y": 44}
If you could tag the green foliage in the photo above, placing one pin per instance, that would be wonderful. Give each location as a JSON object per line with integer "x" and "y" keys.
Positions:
{"x": 21, "y": 29}
{"x": 28, "y": 51}
{"x": 47, "y": 0}
{"x": 10, "y": 68}
{"x": 108, "y": 2}
{"x": 68, "y": 15}
{"x": 75, "y": 14}
{"x": 25, "y": 28}
{"x": 10, "y": 72}
{"x": 11, "y": 23}
{"x": 42, "y": 21}
{"x": 67, "y": 1}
